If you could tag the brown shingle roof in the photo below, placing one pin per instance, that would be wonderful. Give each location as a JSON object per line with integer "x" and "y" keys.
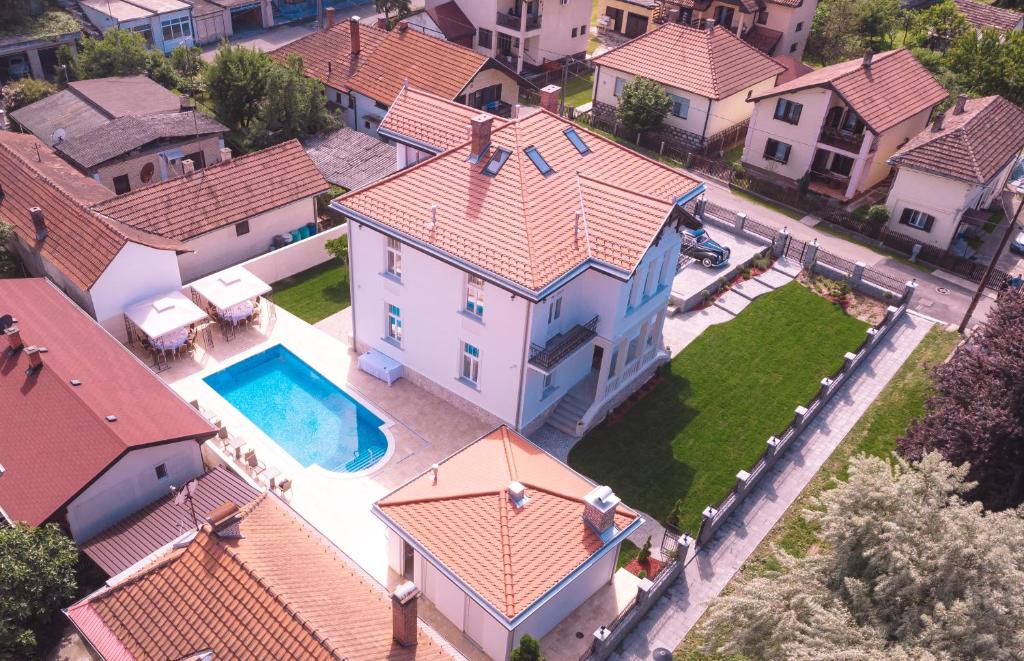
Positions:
{"x": 281, "y": 591}
{"x": 80, "y": 242}
{"x": 519, "y": 224}
{"x": 225, "y": 193}
{"x": 350, "y": 159}
{"x": 983, "y": 15}
{"x": 451, "y": 21}
{"x": 896, "y": 87}
{"x": 762, "y": 38}
{"x": 327, "y": 55}
{"x": 510, "y": 556}
{"x": 430, "y": 120}
{"x": 714, "y": 64}
{"x": 127, "y": 95}
{"x": 973, "y": 146}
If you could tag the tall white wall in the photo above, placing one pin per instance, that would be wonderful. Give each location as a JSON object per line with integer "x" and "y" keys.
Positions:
{"x": 888, "y": 142}
{"x": 294, "y": 258}
{"x": 557, "y": 22}
{"x": 785, "y": 20}
{"x": 136, "y": 273}
{"x": 943, "y": 198}
{"x": 734, "y": 109}
{"x": 131, "y": 484}
{"x": 802, "y": 137}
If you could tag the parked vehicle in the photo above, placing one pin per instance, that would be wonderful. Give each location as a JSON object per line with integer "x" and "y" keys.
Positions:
{"x": 1017, "y": 245}
{"x": 17, "y": 67}
{"x": 698, "y": 245}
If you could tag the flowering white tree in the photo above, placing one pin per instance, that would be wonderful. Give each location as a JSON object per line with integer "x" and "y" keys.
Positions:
{"x": 908, "y": 570}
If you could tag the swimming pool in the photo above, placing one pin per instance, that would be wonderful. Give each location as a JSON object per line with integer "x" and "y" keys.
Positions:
{"x": 312, "y": 419}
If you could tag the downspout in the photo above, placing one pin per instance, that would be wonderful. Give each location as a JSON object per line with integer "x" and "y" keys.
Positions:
{"x": 351, "y": 283}
{"x": 704, "y": 132}
{"x": 597, "y": 84}
{"x": 522, "y": 364}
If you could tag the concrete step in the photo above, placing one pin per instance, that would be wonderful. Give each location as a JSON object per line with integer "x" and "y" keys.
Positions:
{"x": 788, "y": 266}
{"x": 751, "y": 289}
{"x": 732, "y": 302}
{"x": 566, "y": 426}
{"x": 774, "y": 279}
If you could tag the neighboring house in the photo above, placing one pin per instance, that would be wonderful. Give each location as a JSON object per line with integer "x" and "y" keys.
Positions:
{"x": 102, "y": 264}
{"x": 253, "y": 583}
{"x": 90, "y": 434}
{"x": 219, "y": 19}
{"x": 775, "y": 27}
{"x": 833, "y": 129}
{"x": 950, "y": 172}
{"x": 365, "y": 67}
{"x": 522, "y": 34}
{"x": 229, "y": 212}
{"x": 126, "y": 133}
{"x": 504, "y": 540}
{"x": 526, "y": 268}
{"x": 984, "y": 16}
{"x": 164, "y": 24}
{"x": 350, "y": 159}
{"x": 708, "y": 73}
{"x": 32, "y": 52}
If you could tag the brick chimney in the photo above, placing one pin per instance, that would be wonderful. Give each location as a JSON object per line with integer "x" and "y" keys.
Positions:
{"x": 550, "y": 98}
{"x": 353, "y": 27}
{"x": 35, "y": 359}
{"x": 188, "y": 168}
{"x": 225, "y": 154}
{"x": 403, "y": 613}
{"x": 709, "y": 25}
{"x": 868, "y": 54}
{"x": 14, "y": 342}
{"x": 961, "y": 104}
{"x": 480, "y": 135}
{"x": 38, "y": 222}
{"x": 225, "y": 522}
{"x": 329, "y": 13}
{"x": 403, "y": 25}
{"x": 599, "y": 509}
{"x": 938, "y": 121}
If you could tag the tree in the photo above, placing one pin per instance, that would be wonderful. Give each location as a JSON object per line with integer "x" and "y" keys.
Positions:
{"x": 910, "y": 570}
{"x": 991, "y": 64}
{"x": 188, "y": 66}
{"x": 237, "y": 82}
{"x": 977, "y": 412}
{"x": 117, "y": 53}
{"x": 37, "y": 578}
{"x": 22, "y": 92}
{"x": 834, "y": 34}
{"x": 528, "y": 650}
{"x": 400, "y": 8}
{"x": 338, "y": 248}
{"x": 878, "y": 214}
{"x": 293, "y": 105}
{"x": 643, "y": 104}
{"x": 880, "y": 20}
{"x": 938, "y": 25}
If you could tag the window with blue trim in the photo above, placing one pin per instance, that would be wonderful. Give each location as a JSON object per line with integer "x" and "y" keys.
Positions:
{"x": 470, "y": 363}
{"x": 577, "y": 141}
{"x": 497, "y": 159}
{"x": 538, "y": 160}
{"x": 475, "y": 296}
{"x": 394, "y": 329}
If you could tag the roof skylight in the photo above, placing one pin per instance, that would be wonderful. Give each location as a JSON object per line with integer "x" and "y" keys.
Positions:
{"x": 577, "y": 141}
{"x": 538, "y": 160}
{"x": 497, "y": 159}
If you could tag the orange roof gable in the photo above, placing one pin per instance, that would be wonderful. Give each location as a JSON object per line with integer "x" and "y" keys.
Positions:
{"x": 510, "y": 556}
{"x": 327, "y": 55}
{"x": 526, "y": 227}
{"x": 430, "y": 119}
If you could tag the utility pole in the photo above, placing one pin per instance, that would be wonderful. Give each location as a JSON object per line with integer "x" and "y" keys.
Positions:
{"x": 1007, "y": 205}
{"x": 565, "y": 76}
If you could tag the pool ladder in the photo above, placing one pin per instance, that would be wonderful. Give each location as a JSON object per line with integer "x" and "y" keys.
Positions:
{"x": 360, "y": 463}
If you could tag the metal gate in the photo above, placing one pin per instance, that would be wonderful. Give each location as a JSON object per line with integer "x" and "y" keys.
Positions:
{"x": 795, "y": 250}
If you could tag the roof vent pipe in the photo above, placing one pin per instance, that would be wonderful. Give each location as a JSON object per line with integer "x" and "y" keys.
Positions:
{"x": 13, "y": 339}
{"x": 433, "y": 217}
{"x": 433, "y": 471}
{"x": 38, "y": 222}
{"x": 868, "y": 54}
{"x": 188, "y": 168}
{"x": 329, "y": 12}
{"x": 961, "y": 104}
{"x": 35, "y": 360}
{"x": 353, "y": 27}
{"x": 938, "y": 121}
{"x": 709, "y": 24}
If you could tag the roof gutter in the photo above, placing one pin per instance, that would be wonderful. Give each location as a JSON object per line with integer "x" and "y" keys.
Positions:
{"x": 405, "y": 140}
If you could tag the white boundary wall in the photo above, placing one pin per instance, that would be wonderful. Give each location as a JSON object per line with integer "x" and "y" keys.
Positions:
{"x": 294, "y": 258}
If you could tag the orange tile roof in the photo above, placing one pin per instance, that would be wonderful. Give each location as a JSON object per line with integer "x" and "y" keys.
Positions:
{"x": 430, "y": 119}
{"x": 521, "y": 225}
{"x": 509, "y": 556}
{"x": 973, "y": 146}
{"x": 327, "y": 55}
{"x": 281, "y": 591}
{"x": 80, "y": 242}
{"x": 982, "y": 15}
{"x": 896, "y": 88}
{"x": 712, "y": 63}
{"x": 222, "y": 194}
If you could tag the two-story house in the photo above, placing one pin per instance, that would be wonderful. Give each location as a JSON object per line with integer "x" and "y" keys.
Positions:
{"x": 708, "y": 73}
{"x": 164, "y": 24}
{"x": 527, "y": 268}
{"x": 832, "y": 130}
{"x": 949, "y": 173}
{"x": 364, "y": 67}
{"x": 519, "y": 33}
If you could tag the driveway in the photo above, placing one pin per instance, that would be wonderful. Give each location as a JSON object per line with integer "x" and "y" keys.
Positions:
{"x": 265, "y": 40}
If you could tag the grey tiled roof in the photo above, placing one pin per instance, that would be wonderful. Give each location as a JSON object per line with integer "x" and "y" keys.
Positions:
{"x": 63, "y": 110}
{"x": 351, "y": 159}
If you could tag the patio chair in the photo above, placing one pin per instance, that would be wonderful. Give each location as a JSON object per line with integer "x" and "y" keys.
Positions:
{"x": 254, "y": 465}
{"x": 285, "y": 486}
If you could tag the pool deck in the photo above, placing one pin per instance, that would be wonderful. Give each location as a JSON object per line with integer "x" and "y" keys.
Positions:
{"x": 424, "y": 427}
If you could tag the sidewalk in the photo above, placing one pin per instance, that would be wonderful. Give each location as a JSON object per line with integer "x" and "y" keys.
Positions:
{"x": 709, "y": 570}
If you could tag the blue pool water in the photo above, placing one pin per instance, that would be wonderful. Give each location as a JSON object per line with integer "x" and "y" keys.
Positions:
{"x": 311, "y": 418}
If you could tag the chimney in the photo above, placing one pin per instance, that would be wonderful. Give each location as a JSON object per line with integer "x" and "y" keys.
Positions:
{"x": 403, "y": 613}
{"x": 225, "y": 521}
{"x": 961, "y": 104}
{"x": 14, "y": 342}
{"x": 434, "y": 469}
{"x": 184, "y": 103}
{"x": 937, "y": 122}
{"x": 709, "y": 24}
{"x": 353, "y": 26}
{"x": 480, "y": 135}
{"x": 403, "y": 25}
{"x": 35, "y": 360}
{"x": 599, "y": 509}
{"x": 868, "y": 54}
{"x": 550, "y": 97}
{"x": 225, "y": 154}
{"x": 382, "y": 23}
{"x": 188, "y": 168}
{"x": 329, "y": 12}
{"x": 38, "y": 222}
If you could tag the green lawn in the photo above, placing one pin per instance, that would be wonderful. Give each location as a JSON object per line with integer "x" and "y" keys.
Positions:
{"x": 579, "y": 90}
{"x": 726, "y": 393}
{"x": 315, "y": 293}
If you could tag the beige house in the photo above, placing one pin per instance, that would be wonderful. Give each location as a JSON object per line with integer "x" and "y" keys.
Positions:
{"x": 950, "y": 173}
{"x": 708, "y": 73}
{"x": 832, "y": 130}
{"x": 776, "y": 27}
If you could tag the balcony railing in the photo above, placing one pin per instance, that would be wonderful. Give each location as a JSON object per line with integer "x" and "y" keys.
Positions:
{"x": 562, "y": 345}
{"x": 850, "y": 142}
{"x": 513, "y": 21}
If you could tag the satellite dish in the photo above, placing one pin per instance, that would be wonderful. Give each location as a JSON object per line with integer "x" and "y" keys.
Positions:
{"x": 57, "y": 136}
{"x": 6, "y": 322}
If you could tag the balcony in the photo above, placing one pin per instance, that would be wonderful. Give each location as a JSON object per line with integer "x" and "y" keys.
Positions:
{"x": 561, "y": 346}
{"x": 829, "y": 184}
{"x": 840, "y": 139}
{"x": 513, "y": 21}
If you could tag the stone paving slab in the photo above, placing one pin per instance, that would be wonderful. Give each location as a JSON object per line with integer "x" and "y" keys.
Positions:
{"x": 684, "y": 328}
{"x": 774, "y": 279}
{"x": 732, "y": 302}
{"x": 710, "y": 569}
{"x": 751, "y": 289}
{"x": 788, "y": 266}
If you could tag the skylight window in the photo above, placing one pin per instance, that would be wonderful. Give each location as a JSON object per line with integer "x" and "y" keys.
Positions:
{"x": 538, "y": 160}
{"x": 497, "y": 159}
{"x": 577, "y": 141}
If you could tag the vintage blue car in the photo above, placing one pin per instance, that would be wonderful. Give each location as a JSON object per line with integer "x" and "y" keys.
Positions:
{"x": 702, "y": 248}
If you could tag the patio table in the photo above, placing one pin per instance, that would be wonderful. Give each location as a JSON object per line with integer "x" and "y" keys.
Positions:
{"x": 172, "y": 340}
{"x": 237, "y": 312}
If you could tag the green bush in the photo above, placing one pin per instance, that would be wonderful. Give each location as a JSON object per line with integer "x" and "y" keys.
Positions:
{"x": 643, "y": 104}
{"x": 645, "y": 551}
{"x": 878, "y": 214}
{"x": 338, "y": 248}
{"x": 26, "y": 91}
{"x": 528, "y": 650}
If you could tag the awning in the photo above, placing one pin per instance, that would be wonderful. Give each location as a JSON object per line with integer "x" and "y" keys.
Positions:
{"x": 165, "y": 313}
{"x": 229, "y": 287}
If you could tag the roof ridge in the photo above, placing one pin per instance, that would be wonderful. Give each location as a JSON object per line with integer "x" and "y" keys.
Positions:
{"x": 506, "y": 553}
{"x": 509, "y": 457}
{"x": 438, "y": 499}
{"x": 630, "y": 191}
{"x": 708, "y": 37}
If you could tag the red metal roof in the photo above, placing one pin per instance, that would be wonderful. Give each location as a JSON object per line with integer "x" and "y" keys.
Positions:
{"x": 56, "y": 439}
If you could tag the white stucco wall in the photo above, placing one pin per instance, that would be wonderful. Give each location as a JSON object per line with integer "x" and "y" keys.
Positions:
{"x": 802, "y": 137}
{"x": 735, "y": 108}
{"x": 136, "y": 273}
{"x": 488, "y": 77}
{"x": 888, "y": 142}
{"x": 131, "y": 484}
{"x": 557, "y": 21}
{"x": 785, "y": 20}
{"x": 105, "y": 22}
{"x": 294, "y": 258}
{"x": 222, "y": 247}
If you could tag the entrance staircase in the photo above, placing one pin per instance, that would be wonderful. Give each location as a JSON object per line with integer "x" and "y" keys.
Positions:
{"x": 568, "y": 412}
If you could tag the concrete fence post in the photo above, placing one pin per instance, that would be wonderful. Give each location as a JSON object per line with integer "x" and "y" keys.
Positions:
{"x": 741, "y": 222}
{"x": 683, "y": 545}
{"x": 890, "y": 314}
{"x": 774, "y": 442}
{"x": 810, "y": 254}
{"x": 779, "y": 242}
{"x": 908, "y": 292}
{"x": 742, "y": 481}
{"x": 848, "y": 361}
{"x": 643, "y": 590}
{"x": 872, "y": 335}
{"x": 826, "y": 383}
{"x": 799, "y": 415}
{"x": 857, "y": 277}
{"x": 601, "y": 637}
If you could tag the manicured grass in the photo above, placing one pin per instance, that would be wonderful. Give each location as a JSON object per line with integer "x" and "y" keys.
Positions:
{"x": 579, "y": 90}
{"x": 725, "y": 394}
{"x": 627, "y": 552}
{"x": 315, "y": 293}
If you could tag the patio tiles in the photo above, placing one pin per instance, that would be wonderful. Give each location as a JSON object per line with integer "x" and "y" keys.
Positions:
{"x": 751, "y": 289}
{"x": 732, "y": 302}
{"x": 774, "y": 279}
{"x": 684, "y": 328}
{"x": 600, "y": 609}
{"x": 787, "y": 266}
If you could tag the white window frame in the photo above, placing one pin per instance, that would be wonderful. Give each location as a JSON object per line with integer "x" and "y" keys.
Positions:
{"x": 474, "y": 296}
{"x": 918, "y": 219}
{"x": 469, "y": 364}
{"x": 619, "y": 84}
{"x": 183, "y": 25}
{"x": 680, "y": 106}
{"x": 555, "y": 310}
{"x": 393, "y": 258}
{"x": 393, "y": 323}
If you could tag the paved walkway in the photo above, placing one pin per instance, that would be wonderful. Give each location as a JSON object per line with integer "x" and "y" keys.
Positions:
{"x": 708, "y": 571}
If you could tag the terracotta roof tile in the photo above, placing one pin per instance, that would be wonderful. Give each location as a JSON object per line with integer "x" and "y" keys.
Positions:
{"x": 55, "y": 436}
{"x": 431, "y": 120}
{"x": 327, "y": 55}
{"x": 281, "y": 591}
{"x": 762, "y": 38}
{"x": 973, "y": 146}
{"x": 521, "y": 225}
{"x": 712, "y": 63}
{"x": 983, "y": 15}
{"x": 896, "y": 87}
{"x": 468, "y": 522}
{"x": 222, "y": 194}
